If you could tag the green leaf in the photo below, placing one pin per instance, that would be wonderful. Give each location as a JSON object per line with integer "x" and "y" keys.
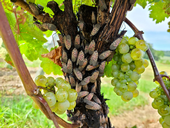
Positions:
{"x": 166, "y": 6}
{"x": 108, "y": 69}
{"x": 49, "y": 67}
{"x": 157, "y": 13}
{"x": 142, "y": 3}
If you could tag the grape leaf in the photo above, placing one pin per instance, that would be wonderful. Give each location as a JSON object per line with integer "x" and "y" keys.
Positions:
{"x": 157, "y": 13}
{"x": 166, "y": 6}
{"x": 142, "y": 3}
{"x": 108, "y": 69}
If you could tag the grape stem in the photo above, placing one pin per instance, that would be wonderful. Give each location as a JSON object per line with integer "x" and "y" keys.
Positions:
{"x": 29, "y": 85}
{"x": 45, "y": 89}
{"x": 157, "y": 76}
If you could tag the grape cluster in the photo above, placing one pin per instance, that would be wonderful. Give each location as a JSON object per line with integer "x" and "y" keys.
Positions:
{"x": 128, "y": 67}
{"x": 161, "y": 102}
{"x": 57, "y": 93}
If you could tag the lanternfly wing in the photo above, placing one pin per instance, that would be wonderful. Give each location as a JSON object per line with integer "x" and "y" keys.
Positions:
{"x": 115, "y": 43}
{"x": 94, "y": 58}
{"x": 105, "y": 54}
{"x": 74, "y": 55}
{"x": 95, "y": 29}
{"x": 69, "y": 66}
{"x": 77, "y": 41}
{"x": 67, "y": 41}
{"x": 78, "y": 74}
{"x": 91, "y": 47}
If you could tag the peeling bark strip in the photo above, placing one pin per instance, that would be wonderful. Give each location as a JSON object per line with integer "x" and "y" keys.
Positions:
{"x": 87, "y": 43}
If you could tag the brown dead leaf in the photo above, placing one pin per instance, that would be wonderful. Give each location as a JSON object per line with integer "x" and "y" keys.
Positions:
{"x": 54, "y": 55}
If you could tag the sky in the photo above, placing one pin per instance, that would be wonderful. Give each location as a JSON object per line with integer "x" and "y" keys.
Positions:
{"x": 156, "y": 34}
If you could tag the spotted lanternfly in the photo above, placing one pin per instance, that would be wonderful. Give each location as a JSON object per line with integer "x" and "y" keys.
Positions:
{"x": 105, "y": 125}
{"x": 49, "y": 26}
{"x": 102, "y": 5}
{"x": 93, "y": 18}
{"x": 85, "y": 87}
{"x": 80, "y": 58}
{"x": 72, "y": 81}
{"x": 78, "y": 87}
{"x": 78, "y": 74}
{"x": 91, "y": 47}
{"x": 92, "y": 105}
{"x": 115, "y": 43}
{"x": 64, "y": 67}
{"x": 110, "y": 57}
{"x": 96, "y": 99}
{"x": 102, "y": 120}
{"x": 95, "y": 29}
{"x": 94, "y": 76}
{"x": 82, "y": 94}
{"x": 94, "y": 58}
{"x": 61, "y": 39}
{"x": 40, "y": 26}
{"x": 81, "y": 25}
{"x": 69, "y": 66}
{"x": 64, "y": 56}
{"x": 81, "y": 67}
{"x": 93, "y": 90}
{"x": 74, "y": 55}
{"x": 85, "y": 81}
{"x": 102, "y": 67}
{"x": 105, "y": 54}
{"x": 34, "y": 8}
{"x": 89, "y": 96}
{"x": 90, "y": 67}
{"x": 67, "y": 41}
{"x": 77, "y": 41}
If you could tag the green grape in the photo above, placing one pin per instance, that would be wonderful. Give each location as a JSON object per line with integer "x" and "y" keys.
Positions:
{"x": 117, "y": 91}
{"x": 121, "y": 75}
{"x": 167, "y": 119}
{"x": 126, "y": 76}
{"x": 123, "y": 81}
{"x": 60, "y": 112}
{"x": 124, "y": 40}
{"x": 129, "y": 72}
{"x": 123, "y": 88}
{"x": 54, "y": 108}
{"x": 50, "y": 81}
{"x": 118, "y": 84}
{"x": 65, "y": 85}
{"x": 139, "y": 63}
{"x": 141, "y": 44}
{"x": 163, "y": 73}
{"x": 165, "y": 125}
{"x": 61, "y": 95}
{"x": 132, "y": 66}
{"x": 59, "y": 80}
{"x": 72, "y": 105}
{"x": 126, "y": 58}
{"x": 154, "y": 105}
{"x": 72, "y": 95}
{"x": 137, "y": 54}
{"x": 164, "y": 110}
{"x": 125, "y": 67}
{"x": 161, "y": 120}
{"x": 146, "y": 63}
{"x": 139, "y": 70}
{"x": 116, "y": 57}
{"x": 135, "y": 93}
{"x": 158, "y": 101}
{"x": 123, "y": 48}
{"x": 115, "y": 74}
{"x": 153, "y": 93}
{"x": 127, "y": 96}
{"x": 131, "y": 86}
{"x": 115, "y": 67}
{"x": 132, "y": 40}
{"x": 63, "y": 106}
{"x": 164, "y": 97}
{"x": 40, "y": 80}
{"x": 50, "y": 98}
{"x": 35, "y": 105}
{"x": 135, "y": 76}
{"x": 114, "y": 81}
{"x": 124, "y": 99}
